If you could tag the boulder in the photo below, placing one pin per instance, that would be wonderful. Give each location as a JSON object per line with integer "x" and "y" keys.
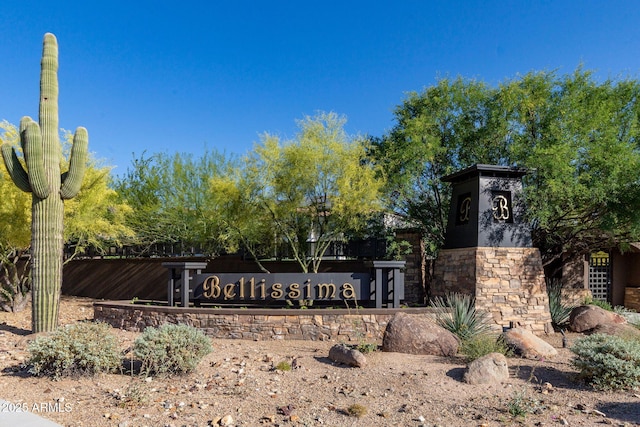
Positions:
{"x": 617, "y": 329}
{"x": 416, "y": 334}
{"x": 489, "y": 369}
{"x": 526, "y": 344}
{"x": 342, "y": 354}
{"x": 586, "y": 317}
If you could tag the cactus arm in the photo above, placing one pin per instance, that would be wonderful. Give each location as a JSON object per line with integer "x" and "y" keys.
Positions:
{"x": 72, "y": 180}
{"x": 32, "y": 143}
{"x": 23, "y": 126}
{"x": 14, "y": 167}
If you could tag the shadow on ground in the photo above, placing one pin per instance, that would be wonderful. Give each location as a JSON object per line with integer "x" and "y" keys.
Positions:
{"x": 622, "y": 411}
{"x": 14, "y": 330}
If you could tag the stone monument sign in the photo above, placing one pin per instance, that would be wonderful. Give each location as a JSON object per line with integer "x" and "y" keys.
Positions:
{"x": 488, "y": 251}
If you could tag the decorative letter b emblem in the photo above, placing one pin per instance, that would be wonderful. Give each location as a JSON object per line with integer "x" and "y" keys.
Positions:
{"x": 501, "y": 208}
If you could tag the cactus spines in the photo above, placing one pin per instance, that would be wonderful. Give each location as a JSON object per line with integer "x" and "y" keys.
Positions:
{"x": 42, "y": 155}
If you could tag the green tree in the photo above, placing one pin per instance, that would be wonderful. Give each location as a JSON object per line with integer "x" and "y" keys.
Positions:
{"x": 96, "y": 218}
{"x": 312, "y": 189}
{"x": 168, "y": 195}
{"x": 245, "y": 225}
{"x": 578, "y": 136}
{"x": 15, "y": 236}
{"x": 448, "y": 126}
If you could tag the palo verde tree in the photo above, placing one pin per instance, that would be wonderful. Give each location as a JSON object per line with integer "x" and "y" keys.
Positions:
{"x": 169, "y": 202}
{"x": 96, "y": 219}
{"x": 15, "y": 235}
{"x": 245, "y": 225}
{"x": 311, "y": 189}
{"x": 49, "y": 188}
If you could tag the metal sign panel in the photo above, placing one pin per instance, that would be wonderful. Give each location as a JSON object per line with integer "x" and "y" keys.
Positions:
{"x": 487, "y": 208}
{"x": 239, "y": 287}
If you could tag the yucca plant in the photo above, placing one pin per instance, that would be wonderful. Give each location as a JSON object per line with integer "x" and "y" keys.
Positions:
{"x": 559, "y": 312}
{"x": 457, "y": 313}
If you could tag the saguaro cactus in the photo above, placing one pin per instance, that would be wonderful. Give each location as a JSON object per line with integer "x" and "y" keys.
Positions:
{"x": 42, "y": 177}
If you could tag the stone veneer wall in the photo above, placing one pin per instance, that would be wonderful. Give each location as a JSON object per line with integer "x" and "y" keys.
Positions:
{"x": 632, "y": 298}
{"x": 508, "y": 283}
{"x": 257, "y": 324}
{"x": 415, "y": 267}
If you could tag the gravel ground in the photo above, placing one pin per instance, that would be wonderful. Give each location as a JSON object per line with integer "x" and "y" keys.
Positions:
{"x": 237, "y": 385}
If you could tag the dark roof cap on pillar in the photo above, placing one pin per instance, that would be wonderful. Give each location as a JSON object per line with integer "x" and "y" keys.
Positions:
{"x": 485, "y": 170}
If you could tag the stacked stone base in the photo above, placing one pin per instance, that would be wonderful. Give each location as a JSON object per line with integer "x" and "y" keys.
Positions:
{"x": 632, "y": 298}
{"x": 257, "y": 324}
{"x": 507, "y": 283}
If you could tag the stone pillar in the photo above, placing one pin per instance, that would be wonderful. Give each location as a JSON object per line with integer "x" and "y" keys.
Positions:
{"x": 415, "y": 268}
{"x": 488, "y": 252}
{"x": 179, "y": 280}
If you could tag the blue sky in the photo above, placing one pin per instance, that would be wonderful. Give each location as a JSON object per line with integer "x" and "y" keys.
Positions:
{"x": 168, "y": 76}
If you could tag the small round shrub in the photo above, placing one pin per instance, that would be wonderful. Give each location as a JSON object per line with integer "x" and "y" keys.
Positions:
{"x": 357, "y": 410}
{"x": 483, "y": 344}
{"x": 283, "y": 366}
{"x": 608, "y": 362}
{"x": 171, "y": 349}
{"x": 77, "y": 349}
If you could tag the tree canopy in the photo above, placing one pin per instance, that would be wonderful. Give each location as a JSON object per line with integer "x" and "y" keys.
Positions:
{"x": 96, "y": 218}
{"x": 168, "y": 195}
{"x": 577, "y": 135}
{"x": 307, "y": 191}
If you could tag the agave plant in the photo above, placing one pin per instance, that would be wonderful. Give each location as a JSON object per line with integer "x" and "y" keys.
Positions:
{"x": 457, "y": 313}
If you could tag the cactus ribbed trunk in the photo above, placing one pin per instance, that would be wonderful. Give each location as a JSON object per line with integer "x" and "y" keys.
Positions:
{"x": 46, "y": 258}
{"x": 42, "y": 177}
{"x": 47, "y": 213}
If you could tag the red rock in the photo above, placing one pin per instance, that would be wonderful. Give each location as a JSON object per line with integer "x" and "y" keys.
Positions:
{"x": 416, "y": 334}
{"x": 588, "y": 317}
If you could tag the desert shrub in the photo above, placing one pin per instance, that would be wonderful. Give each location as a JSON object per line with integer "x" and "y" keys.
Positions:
{"x": 608, "y": 362}
{"x": 135, "y": 394}
{"x": 559, "y": 312}
{"x": 357, "y": 410}
{"x": 283, "y": 366}
{"x": 599, "y": 303}
{"x": 521, "y": 404}
{"x": 77, "y": 349}
{"x": 457, "y": 313}
{"x": 483, "y": 344}
{"x": 171, "y": 349}
{"x": 366, "y": 347}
